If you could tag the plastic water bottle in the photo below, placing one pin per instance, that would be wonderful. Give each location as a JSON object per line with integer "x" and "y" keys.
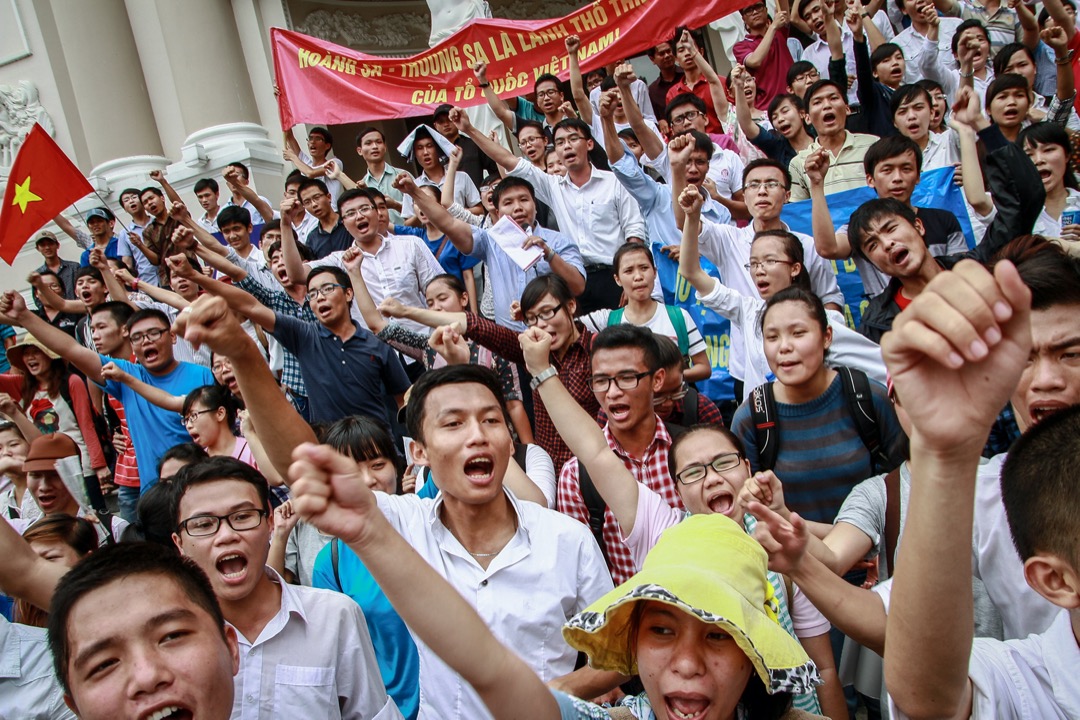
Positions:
{"x": 1071, "y": 214}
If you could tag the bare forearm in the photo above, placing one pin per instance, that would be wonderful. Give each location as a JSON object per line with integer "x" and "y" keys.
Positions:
{"x": 221, "y": 264}
{"x": 573, "y": 277}
{"x": 858, "y": 613}
{"x": 826, "y": 242}
{"x": 24, "y": 574}
{"x": 523, "y": 487}
{"x": 587, "y": 682}
{"x": 368, "y": 310}
{"x": 64, "y": 345}
{"x": 651, "y": 144}
{"x": 753, "y": 60}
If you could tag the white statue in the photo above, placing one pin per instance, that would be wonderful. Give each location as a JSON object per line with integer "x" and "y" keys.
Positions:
{"x": 20, "y": 108}
{"x": 449, "y": 16}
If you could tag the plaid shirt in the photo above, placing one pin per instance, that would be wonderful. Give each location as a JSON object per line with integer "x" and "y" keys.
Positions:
{"x": 574, "y": 368}
{"x": 650, "y": 470}
{"x": 279, "y": 301}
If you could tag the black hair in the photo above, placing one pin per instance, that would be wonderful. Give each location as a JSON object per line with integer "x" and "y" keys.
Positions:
{"x": 628, "y": 248}
{"x": 872, "y": 211}
{"x": 152, "y": 189}
{"x": 350, "y": 195}
{"x": 780, "y": 99}
{"x": 367, "y": 131}
{"x": 114, "y": 563}
{"x": 906, "y": 94}
{"x": 1044, "y": 14}
{"x": 1001, "y": 83}
{"x": 1045, "y": 133}
{"x": 324, "y": 132}
{"x": 793, "y": 248}
{"x": 629, "y": 134}
{"x": 967, "y": 25}
{"x": 798, "y": 295}
{"x": 1005, "y": 55}
{"x": 129, "y": 191}
{"x": 59, "y": 280}
{"x": 547, "y": 77}
{"x": 364, "y": 438}
{"x": 154, "y": 513}
{"x": 522, "y": 124}
{"x": 215, "y": 469}
{"x": 651, "y": 52}
{"x": 449, "y": 375}
{"x": 699, "y": 428}
{"x": 206, "y": 184}
{"x": 821, "y": 85}
{"x": 212, "y": 397}
{"x": 234, "y": 215}
{"x": 702, "y": 142}
{"x": 187, "y": 452}
{"x": 148, "y": 313}
{"x": 684, "y": 99}
{"x": 541, "y": 285}
{"x": 797, "y": 69}
{"x": 450, "y": 280}
{"x": 311, "y": 183}
{"x": 569, "y": 124}
{"x": 888, "y": 147}
{"x": 120, "y": 312}
{"x": 244, "y": 172}
{"x": 696, "y": 35}
{"x": 1050, "y": 273}
{"x": 1038, "y": 488}
{"x": 883, "y": 52}
{"x": 803, "y": 7}
{"x": 768, "y": 163}
{"x": 340, "y": 276}
{"x": 608, "y": 83}
{"x": 89, "y": 271}
{"x": 668, "y": 355}
{"x": 271, "y": 225}
{"x": 294, "y": 178}
{"x": 625, "y": 335}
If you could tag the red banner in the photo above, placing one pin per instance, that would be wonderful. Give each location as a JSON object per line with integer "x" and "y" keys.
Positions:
{"x": 326, "y": 84}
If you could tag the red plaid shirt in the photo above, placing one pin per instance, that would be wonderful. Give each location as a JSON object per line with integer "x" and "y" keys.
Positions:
{"x": 126, "y": 472}
{"x": 651, "y": 470}
{"x": 575, "y": 369}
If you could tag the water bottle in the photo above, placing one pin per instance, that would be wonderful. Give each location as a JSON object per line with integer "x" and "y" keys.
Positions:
{"x": 1071, "y": 214}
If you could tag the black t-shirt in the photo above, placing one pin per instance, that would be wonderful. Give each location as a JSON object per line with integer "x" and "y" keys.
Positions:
{"x": 943, "y": 234}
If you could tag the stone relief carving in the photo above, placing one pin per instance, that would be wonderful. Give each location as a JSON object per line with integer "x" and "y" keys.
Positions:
{"x": 20, "y": 108}
{"x": 392, "y": 31}
{"x": 535, "y": 9}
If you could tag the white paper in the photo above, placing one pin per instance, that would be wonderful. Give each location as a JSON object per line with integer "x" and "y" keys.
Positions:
{"x": 70, "y": 471}
{"x": 510, "y": 237}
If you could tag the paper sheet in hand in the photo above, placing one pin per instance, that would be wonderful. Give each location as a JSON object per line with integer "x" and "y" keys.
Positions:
{"x": 510, "y": 238}
{"x": 70, "y": 471}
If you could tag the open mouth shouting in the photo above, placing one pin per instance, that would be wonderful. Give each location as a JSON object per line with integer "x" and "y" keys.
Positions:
{"x": 169, "y": 712}
{"x": 233, "y": 567}
{"x": 899, "y": 255}
{"x": 1044, "y": 409}
{"x": 687, "y": 706}
{"x": 480, "y": 469}
{"x": 721, "y": 502}
{"x": 618, "y": 412}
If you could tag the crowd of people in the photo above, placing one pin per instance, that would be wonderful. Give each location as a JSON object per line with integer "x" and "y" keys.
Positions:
{"x": 436, "y": 442}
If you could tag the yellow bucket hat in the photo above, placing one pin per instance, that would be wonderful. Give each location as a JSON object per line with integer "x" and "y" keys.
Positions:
{"x": 15, "y": 352}
{"x": 706, "y": 566}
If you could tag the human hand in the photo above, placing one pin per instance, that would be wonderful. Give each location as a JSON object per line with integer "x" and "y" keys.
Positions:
{"x": 390, "y": 307}
{"x": 853, "y": 19}
{"x": 405, "y": 183}
{"x": 112, "y": 371}
{"x": 710, "y": 187}
{"x": 573, "y": 44}
{"x": 672, "y": 251}
{"x": 183, "y": 238}
{"x": 12, "y": 307}
{"x": 97, "y": 260}
{"x": 352, "y": 259}
{"x": 515, "y": 311}
{"x": 765, "y": 488}
{"x": 956, "y": 353}
{"x": 157, "y": 176}
{"x": 1070, "y": 233}
{"x": 119, "y": 443}
{"x": 536, "y": 348}
{"x": 9, "y": 407}
{"x": 538, "y": 242}
{"x": 408, "y": 480}
{"x": 738, "y": 79}
{"x": 679, "y": 150}
{"x": 780, "y": 19}
{"x": 785, "y": 540}
{"x": 690, "y": 201}
{"x": 624, "y": 75}
{"x": 332, "y": 169}
{"x": 461, "y": 121}
{"x": 455, "y": 157}
{"x": 450, "y": 344}
{"x": 329, "y": 493}
{"x": 929, "y": 13}
{"x": 967, "y": 110}
{"x": 209, "y": 321}
{"x": 285, "y": 519}
{"x": 1056, "y": 38}
{"x": 290, "y": 207}
{"x": 180, "y": 266}
{"x": 608, "y": 100}
{"x": 125, "y": 277}
{"x": 34, "y": 279}
{"x": 480, "y": 71}
{"x": 817, "y": 166}
{"x": 179, "y": 212}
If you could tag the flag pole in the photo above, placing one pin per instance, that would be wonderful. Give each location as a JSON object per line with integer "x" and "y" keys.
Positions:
{"x": 106, "y": 204}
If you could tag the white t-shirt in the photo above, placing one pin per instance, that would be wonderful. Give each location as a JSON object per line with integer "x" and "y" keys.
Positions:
{"x": 1051, "y": 226}
{"x": 659, "y": 323}
{"x": 465, "y": 192}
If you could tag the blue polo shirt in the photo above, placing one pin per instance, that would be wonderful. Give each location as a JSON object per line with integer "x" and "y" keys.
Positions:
{"x": 323, "y": 243}
{"x": 154, "y": 430}
{"x": 112, "y": 250}
{"x": 342, "y": 378}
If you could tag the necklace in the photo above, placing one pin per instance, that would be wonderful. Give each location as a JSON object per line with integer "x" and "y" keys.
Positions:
{"x": 483, "y": 554}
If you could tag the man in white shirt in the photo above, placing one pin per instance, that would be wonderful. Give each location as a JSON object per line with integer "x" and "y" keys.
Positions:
{"x": 303, "y": 652}
{"x": 816, "y": 15}
{"x": 913, "y": 38}
{"x": 592, "y": 206}
{"x": 206, "y": 192}
{"x": 241, "y": 177}
{"x": 313, "y": 162}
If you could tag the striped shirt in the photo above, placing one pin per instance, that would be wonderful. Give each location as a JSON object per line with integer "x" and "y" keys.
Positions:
{"x": 126, "y": 472}
{"x": 845, "y": 168}
{"x": 821, "y": 456}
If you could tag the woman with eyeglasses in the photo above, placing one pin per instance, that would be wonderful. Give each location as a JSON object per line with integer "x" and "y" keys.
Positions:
{"x": 776, "y": 263}
{"x": 546, "y": 303}
{"x": 710, "y": 468}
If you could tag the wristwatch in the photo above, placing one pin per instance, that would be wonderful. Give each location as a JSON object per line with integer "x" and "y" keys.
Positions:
{"x": 544, "y": 375}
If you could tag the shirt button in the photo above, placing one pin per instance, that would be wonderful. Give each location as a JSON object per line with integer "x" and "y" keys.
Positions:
{"x": 251, "y": 698}
{"x": 483, "y": 583}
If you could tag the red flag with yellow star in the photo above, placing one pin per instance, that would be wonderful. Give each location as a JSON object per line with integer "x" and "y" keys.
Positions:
{"x": 42, "y": 183}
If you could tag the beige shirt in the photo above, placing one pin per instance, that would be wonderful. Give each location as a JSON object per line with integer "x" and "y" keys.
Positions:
{"x": 845, "y": 168}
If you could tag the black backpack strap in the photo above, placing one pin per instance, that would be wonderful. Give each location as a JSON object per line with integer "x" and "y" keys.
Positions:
{"x": 521, "y": 451}
{"x": 763, "y": 413}
{"x": 690, "y": 407}
{"x": 860, "y": 402}
{"x": 334, "y": 562}
{"x": 892, "y": 518}
{"x": 595, "y": 505}
{"x": 107, "y": 521}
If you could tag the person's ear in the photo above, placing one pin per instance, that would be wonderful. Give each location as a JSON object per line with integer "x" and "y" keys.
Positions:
{"x": 828, "y": 337}
{"x": 1055, "y": 579}
{"x": 571, "y": 307}
{"x": 70, "y": 702}
{"x": 234, "y": 647}
{"x": 419, "y": 454}
{"x": 796, "y": 268}
{"x": 658, "y": 379}
{"x": 178, "y": 542}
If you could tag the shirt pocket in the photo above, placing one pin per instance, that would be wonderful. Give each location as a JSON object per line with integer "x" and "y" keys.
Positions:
{"x": 305, "y": 692}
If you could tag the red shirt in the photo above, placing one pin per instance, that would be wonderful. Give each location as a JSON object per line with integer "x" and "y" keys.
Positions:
{"x": 651, "y": 470}
{"x": 901, "y": 300}
{"x": 771, "y": 75}
{"x": 701, "y": 89}
{"x": 126, "y": 472}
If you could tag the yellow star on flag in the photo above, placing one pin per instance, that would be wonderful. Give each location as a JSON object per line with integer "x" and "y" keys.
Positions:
{"x": 23, "y": 195}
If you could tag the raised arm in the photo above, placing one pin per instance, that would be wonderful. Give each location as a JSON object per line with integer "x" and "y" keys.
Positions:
{"x": 170, "y": 192}
{"x": 155, "y": 395}
{"x": 329, "y": 493}
{"x": 459, "y": 232}
{"x": 82, "y": 239}
{"x": 690, "y": 202}
{"x": 115, "y": 284}
{"x": 13, "y": 308}
{"x": 1057, "y": 38}
{"x": 295, "y": 267}
{"x": 716, "y": 87}
{"x": 210, "y": 321}
{"x": 742, "y": 108}
{"x": 49, "y": 298}
{"x": 334, "y": 172}
{"x": 237, "y": 299}
{"x": 955, "y": 356}
{"x": 613, "y": 145}
{"x": 232, "y": 179}
{"x": 503, "y": 157}
{"x": 753, "y": 60}
{"x": 829, "y": 244}
{"x": 651, "y": 143}
{"x": 577, "y": 86}
{"x": 581, "y": 433}
{"x": 432, "y": 318}
{"x": 496, "y": 103}
{"x": 24, "y": 574}
{"x": 679, "y": 153}
{"x": 967, "y": 119}
{"x": 1029, "y": 26}
{"x": 1061, "y": 15}
{"x": 352, "y": 259}
{"x": 221, "y": 264}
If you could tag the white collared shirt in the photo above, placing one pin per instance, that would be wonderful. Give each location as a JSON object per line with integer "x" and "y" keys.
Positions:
{"x": 599, "y": 216}
{"x": 996, "y": 562}
{"x": 465, "y": 192}
{"x": 942, "y": 150}
{"x": 818, "y": 54}
{"x": 207, "y": 224}
{"x": 313, "y": 659}
{"x": 256, "y": 218}
{"x": 401, "y": 268}
{"x": 934, "y": 64}
{"x": 912, "y": 43}
{"x": 728, "y": 247}
{"x": 550, "y": 570}
{"x": 309, "y": 223}
{"x": 28, "y": 684}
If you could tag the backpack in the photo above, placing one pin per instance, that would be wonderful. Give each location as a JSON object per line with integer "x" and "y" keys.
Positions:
{"x": 689, "y": 415}
{"x": 675, "y": 316}
{"x": 860, "y": 402}
{"x": 520, "y": 451}
{"x": 101, "y": 425}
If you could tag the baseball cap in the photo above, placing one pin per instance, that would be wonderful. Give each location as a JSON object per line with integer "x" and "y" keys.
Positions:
{"x": 99, "y": 212}
{"x": 46, "y": 236}
{"x": 45, "y": 450}
{"x": 443, "y": 109}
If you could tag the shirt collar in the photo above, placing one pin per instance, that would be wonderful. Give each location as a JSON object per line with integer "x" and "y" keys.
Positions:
{"x": 1062, "y": 656}
{"x": 290, "y": 604}
{"x": 663, "y": 437}
{"x": 449, "y": 543}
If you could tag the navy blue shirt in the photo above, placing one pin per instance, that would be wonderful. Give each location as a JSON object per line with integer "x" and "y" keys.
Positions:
{"x": 323, "y": 243}
{"x": 342, "y": 378}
